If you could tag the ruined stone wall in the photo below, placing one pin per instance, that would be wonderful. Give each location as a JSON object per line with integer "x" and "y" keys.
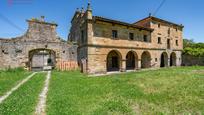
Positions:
{"x": 40, "y": 35}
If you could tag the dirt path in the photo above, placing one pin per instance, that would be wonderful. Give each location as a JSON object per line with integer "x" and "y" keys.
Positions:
{"x": 41, "y": 107}
{"x": 2, "y": 98}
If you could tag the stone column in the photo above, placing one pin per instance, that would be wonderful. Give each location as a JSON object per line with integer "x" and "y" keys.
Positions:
{"x": 139, "y": 64}
{"x": 123, "y": 66}
{"x": 168, "y": 62}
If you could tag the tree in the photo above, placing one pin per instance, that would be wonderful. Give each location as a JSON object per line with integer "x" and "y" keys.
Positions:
{"x": 192, "y": 48}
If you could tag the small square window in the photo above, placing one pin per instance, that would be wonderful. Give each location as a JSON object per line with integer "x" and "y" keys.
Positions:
{"x": 145, "y": 38}
{"x": 176, "y": 29}
{"x": 114, "y": 33}
{"x": 159, "y": 40}
{"x": 155, "y": 59}
{"x": 131, "y": 36}
{"x": 176, "y": 42}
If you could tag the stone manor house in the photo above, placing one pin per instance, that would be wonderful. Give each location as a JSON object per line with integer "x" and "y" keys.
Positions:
{"x": 111, "y": 45}
{"x": 102, "y": 45}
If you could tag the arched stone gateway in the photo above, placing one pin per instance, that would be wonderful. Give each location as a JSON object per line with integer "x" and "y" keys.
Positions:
{"x": 42, "y": 59}
{"x": 146, "y": 60}
{"x": 113, "y": 61}
{"x": 173, "y": 59}
{"x": 131, "y": 60}
{"x": 164, "y": 60}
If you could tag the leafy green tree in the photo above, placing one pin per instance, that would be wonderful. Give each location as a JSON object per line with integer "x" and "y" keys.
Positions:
{"x": 192, "y": 48}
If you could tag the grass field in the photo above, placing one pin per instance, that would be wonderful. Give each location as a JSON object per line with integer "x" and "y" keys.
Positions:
{"x": 24, "y": 100}
{"x": 10, "y": 78}
{"x": 164, "y": 91}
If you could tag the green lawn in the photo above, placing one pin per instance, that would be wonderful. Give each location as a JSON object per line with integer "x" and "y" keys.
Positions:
{"x": 24, "y": 100}
{"x": 164, "y": 91}
{"x": 10, "y": 78}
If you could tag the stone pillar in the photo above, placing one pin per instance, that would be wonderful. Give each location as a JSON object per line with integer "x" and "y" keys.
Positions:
{"x": 139, "y": 64}
{"x": 123, "y": 65}
{"x": 168, "y": 62}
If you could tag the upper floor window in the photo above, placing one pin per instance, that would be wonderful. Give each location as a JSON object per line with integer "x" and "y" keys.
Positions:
{"x": 145, "y": 38}
{"x": 169, "y": 31}
{"x": 159, "y": 40}
{"x": 176, "y": 42}
{"x": 168, "y": 44}
{"x": 176, "y": 29}
{"x": 82, "y": 36}
{"x": 131, "y": 36}
{"x": 159, "y": 25}
{"x": 114, "y": 33}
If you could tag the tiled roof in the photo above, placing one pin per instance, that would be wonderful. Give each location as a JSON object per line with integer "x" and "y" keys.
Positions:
{"x": 121, "y": 23}
{"x": 160, "y": 20}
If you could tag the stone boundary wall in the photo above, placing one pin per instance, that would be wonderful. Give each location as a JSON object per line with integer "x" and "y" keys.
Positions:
{"x": 189, "y": 60}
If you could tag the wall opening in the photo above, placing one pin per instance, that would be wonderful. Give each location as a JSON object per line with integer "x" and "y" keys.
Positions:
{"x": 173, "y": 59}
{"x": 131, "y": 61}
{"x": 42, "y": 59}
{"x": 164, "y": 60}
{"x": 113, "y": 61}
{"x": 145, "y": 60}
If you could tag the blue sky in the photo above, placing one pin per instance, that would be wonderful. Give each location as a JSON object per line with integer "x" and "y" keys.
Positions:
{"x": 186, "y": 12}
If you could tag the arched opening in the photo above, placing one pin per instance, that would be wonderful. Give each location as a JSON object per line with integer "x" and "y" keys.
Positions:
{"x": 42, "y": 59}
{"x": 131, "y": 60}
{"x": 113, "y": 61}
{"x": 173, "y": 59}
{"x": 164, "y": 60}
{"x": 145, "y": 60}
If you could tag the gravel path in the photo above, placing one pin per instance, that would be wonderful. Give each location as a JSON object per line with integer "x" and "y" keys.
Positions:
{"x": 41, "y": 107}
{"x": 2, "y": 98}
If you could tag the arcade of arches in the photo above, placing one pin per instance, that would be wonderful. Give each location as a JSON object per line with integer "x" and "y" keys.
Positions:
{"x": 114, "y": 60}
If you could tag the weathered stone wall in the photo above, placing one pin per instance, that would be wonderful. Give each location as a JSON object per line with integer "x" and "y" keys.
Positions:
{"x": 98, "y": 57}
{"x": 189, "y": 60}
{"x": 103, "y": 35}
{"x": 162, "y": 32}
{"x": 40, "y": 35}
{"x": 103, "y": 43}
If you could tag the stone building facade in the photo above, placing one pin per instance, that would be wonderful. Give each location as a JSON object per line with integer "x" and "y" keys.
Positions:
{"x": 38, "y": 48}
{"x": 111, "y": 45}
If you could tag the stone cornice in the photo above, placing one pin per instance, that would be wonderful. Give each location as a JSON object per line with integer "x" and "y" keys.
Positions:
{"x": 125, "y": 47}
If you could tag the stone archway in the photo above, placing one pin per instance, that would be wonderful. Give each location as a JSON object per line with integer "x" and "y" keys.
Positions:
{"x": 145, "y": 60}
{"x": 131, "y": 60}
{"x": 42, "y": 59}
{"x": 164, "y": 60}
{"x": 173, "y": 59}
{"x": 113, "y": 61}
